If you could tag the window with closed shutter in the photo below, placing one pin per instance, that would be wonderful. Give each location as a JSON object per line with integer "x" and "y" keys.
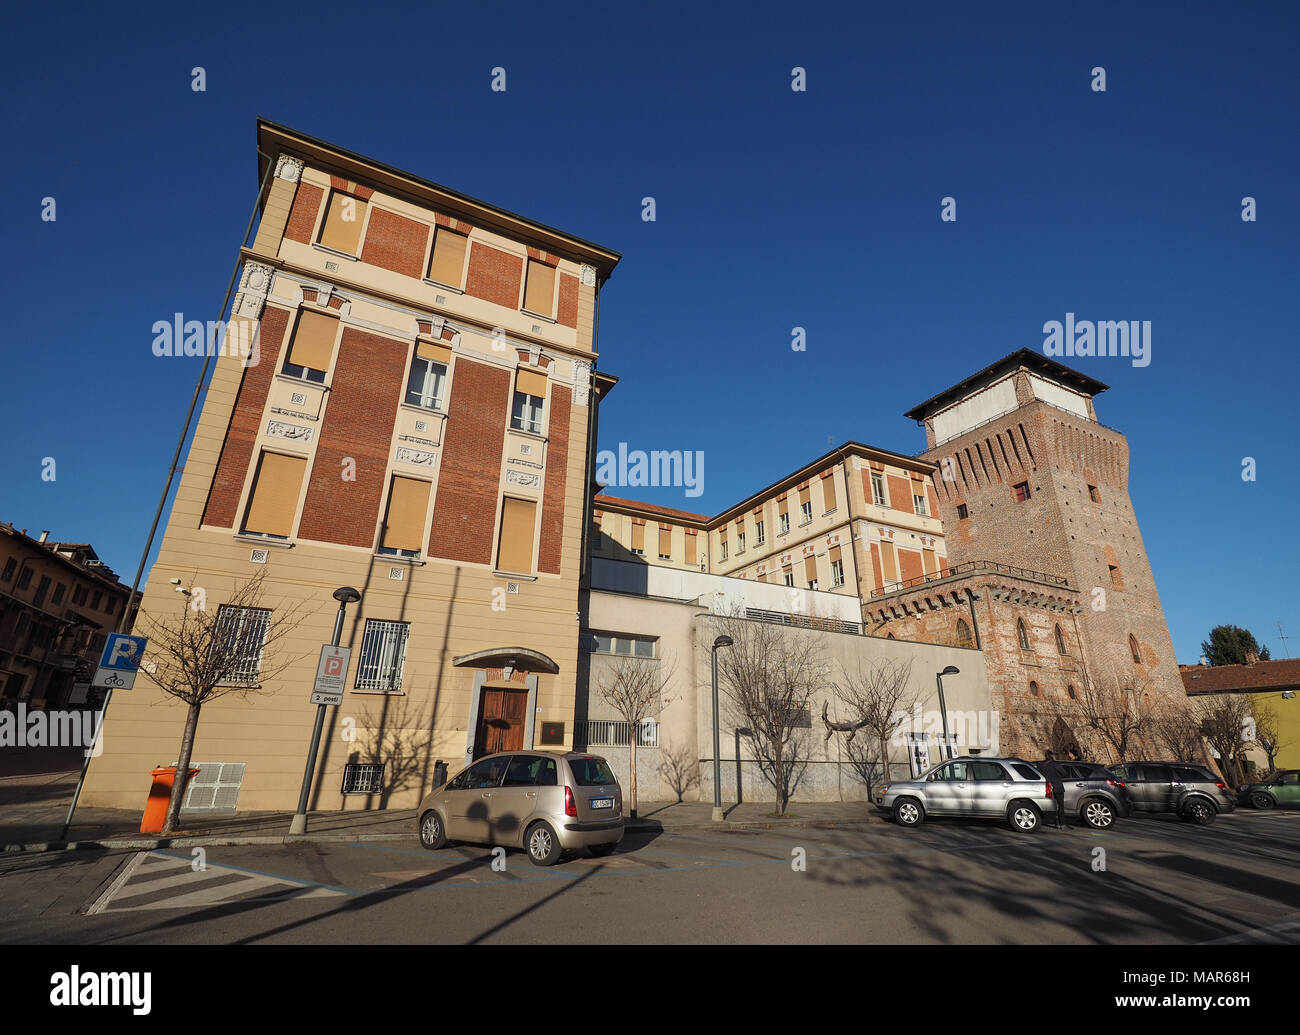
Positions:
{"x": 274, "y": 500}
{"x": 889, "y": 561}
{"x": 312, "y": 345}
{"x": 691, "y": 556}
{"x": 447, "y": 262}
{"x": 343, "y": 221}
{"x": 665, "y": 541}
{"x": 828, "y": 492}
{"x": 515, "y": 550}
{"x": 539, "y": 290}
{"x": 810, "y": 569}
{"x": 638, "y": 536}
{"x": 408, "y": 503}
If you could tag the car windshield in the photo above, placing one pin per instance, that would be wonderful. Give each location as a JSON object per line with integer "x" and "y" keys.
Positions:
{"x": 590, "y": 771}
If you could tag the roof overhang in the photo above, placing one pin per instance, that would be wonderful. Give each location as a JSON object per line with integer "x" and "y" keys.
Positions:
{"x": 274, "y": 139}
{"x": 1035, "y": 361}
{"x": 502, "y": 657}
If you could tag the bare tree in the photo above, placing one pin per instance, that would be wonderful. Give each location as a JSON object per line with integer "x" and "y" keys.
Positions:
{"x": 679, "y": 766}
{"x": 1226, "y": 724}
{"x": 634, "y": 688}
{"x": 202, "y": 654}
{"x": 877, "y": 697}
{"x": 1267, "y": 733}
{"x": 1116, "y": 713}
{"x": 398, "y": 740}
{"x": 769, "y": 675}
{"x": 1176, "y": 727}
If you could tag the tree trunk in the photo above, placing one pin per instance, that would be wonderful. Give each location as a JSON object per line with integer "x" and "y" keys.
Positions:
{"x": 632, "y": 781}
{"x": 884, "y": 763}
{"x": 778, "y": 770}
{"x": 182, "y": 770}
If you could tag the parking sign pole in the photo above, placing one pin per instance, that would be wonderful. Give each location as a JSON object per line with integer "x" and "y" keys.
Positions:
{"x": 346, "y": 595}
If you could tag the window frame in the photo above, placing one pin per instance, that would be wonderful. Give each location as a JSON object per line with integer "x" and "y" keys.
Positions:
{"x": 390, "y": 666}
{"x": 439, "y": 404}
{"x": 519, "y": 420}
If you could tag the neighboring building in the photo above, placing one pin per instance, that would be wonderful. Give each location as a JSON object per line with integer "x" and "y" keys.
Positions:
{"x": 58, "y": 603}
{"x": 1272, "y": 685}
{"x": 669, "y": 617}
{"x": 416, "y": 425}
{"x": 855, "y": 521}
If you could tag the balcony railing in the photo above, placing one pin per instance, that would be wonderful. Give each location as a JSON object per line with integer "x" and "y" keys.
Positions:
{"x": 969, "y": 567}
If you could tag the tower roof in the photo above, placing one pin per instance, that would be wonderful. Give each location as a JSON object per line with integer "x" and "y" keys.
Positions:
{"x": 1035, "y": 361}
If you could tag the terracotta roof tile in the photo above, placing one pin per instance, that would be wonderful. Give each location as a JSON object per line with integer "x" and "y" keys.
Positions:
{"x": 1263, "y": 675}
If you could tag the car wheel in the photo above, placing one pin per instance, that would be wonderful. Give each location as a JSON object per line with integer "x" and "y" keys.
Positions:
{"x": 1262, "y": 800}
{"x": 433, "y": 835}
{"x": 1023, "y": 816}
{"x": 1098, "y": 814}
{"x": 1199, "y": 812}
{"x": 543, "y": 845}
{"x": 602, "y": 850}
{"x": 909, "y": 812}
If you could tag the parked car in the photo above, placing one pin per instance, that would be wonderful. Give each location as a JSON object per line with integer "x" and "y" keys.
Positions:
{"x": 1180, "y": 788}
{"x": 1093, "y": 793}
{"x": 545, "y": 802}
{"x": 1278, "y": 788}
{"x": 991, "y": 788}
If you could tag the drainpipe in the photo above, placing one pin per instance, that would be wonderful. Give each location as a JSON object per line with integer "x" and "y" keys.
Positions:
{"x": 588, "y": 504}
{"x": 975, "y": 622}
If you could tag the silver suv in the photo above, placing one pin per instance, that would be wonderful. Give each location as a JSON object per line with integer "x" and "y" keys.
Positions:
{"x": 546, "y": 802}
{"x": 1009, "y": 789}
{"x": 1185, "y": 789}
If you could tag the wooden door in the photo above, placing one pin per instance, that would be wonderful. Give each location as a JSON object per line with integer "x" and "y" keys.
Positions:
{"x": 501, "y": 721}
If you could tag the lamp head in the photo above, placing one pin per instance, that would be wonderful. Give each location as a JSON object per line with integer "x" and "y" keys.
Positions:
{"x": 951, "y": 670}
{"x": 346, "y": 595}
{"x": 723, "y": 641}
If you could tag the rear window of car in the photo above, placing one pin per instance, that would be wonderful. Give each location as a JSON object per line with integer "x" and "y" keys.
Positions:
{"x": 590, "y": 771}
{"x": 1027, "y": 771}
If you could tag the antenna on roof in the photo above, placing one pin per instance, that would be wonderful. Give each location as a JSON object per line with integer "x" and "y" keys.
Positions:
{"x": 1283, "y": 637}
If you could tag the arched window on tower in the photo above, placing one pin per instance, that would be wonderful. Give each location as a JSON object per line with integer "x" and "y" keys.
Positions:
{"x": 1134, "y": 649}
{"x": 1060, "y": 641}
{"x": 1023, "y": 634}
{"x": 963, "y": 634}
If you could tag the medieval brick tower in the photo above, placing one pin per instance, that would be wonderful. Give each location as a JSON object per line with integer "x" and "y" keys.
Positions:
{"x": 1028, "y": 477}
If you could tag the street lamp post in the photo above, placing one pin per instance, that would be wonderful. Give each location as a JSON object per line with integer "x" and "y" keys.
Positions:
{"x": 951, "y": 670}
{"x": 721, "y": 641}
{"x": 344, "y": 595}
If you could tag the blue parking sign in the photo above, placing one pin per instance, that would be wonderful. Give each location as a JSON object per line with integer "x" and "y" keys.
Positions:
{"x": 122, "y": 653}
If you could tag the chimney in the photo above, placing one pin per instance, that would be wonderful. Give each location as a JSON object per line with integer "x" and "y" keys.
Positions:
{"x": 45, "y": 535}
{"x": 1251, "y": 658}
{"x": 1202, "y": 660}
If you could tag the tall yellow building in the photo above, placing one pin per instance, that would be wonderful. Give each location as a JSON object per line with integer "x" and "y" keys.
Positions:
{"x": 413, "y": 422}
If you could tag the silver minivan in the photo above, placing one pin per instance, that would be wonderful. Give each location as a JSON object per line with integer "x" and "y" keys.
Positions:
{"x": 988, "y": 788}
{"x": 545, "y": 802}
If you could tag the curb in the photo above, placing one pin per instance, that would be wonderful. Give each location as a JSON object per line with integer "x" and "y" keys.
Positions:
{"x": 638, "y": 826}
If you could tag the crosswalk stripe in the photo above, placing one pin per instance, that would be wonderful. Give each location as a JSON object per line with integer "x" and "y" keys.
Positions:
{"x": 155, "y": 873}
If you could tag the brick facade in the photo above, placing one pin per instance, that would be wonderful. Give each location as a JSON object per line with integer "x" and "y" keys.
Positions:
{"x": 494, "y": 275}
{"x": 470, "y": 481}
{"x": 302, "y": 217}
{"x": 358, "y": 425}
{"x": 395, "y": 243}
{"x": 557, "y": 470}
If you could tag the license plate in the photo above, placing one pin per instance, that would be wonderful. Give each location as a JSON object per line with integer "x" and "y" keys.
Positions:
{"x": 602, "y": 803}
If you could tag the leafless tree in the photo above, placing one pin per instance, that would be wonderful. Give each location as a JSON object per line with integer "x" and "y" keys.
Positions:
{"x": 1116, "y": 713}
{"x": 634, "y": 688}
{"x": 201, "y": 653}
{"x": 1176, "y": 727}
{"x": 1267, "y": 733}
{"x": 877, "y": 697}
{"x": 679, "y": 766}
{"x": 769, "y": 675}
{"x": 1226, "y": 725}
{"x": 397, "y": 738}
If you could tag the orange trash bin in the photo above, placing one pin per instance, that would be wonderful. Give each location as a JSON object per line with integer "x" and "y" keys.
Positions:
{"x": 160, "y": 796}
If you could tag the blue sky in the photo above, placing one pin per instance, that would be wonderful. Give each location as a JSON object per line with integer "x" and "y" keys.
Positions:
{"x": 775, "y": 209}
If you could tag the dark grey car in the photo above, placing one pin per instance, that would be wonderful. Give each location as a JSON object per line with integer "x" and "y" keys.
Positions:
{"x": 1179, "y": 788}
{"x": 1093, "y": 793}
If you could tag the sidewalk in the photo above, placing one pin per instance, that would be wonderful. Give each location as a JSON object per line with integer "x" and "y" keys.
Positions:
{"x": 33, "y": 808}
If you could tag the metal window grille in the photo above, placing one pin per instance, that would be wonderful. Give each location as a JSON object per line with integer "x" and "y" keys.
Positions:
{"x": 215, "y": 788}
{"x": 803, "y": 621}
{"x": 383, "y": 655}
{"x": 240, "y": 635}
{"x": 363, "y": 778}
{"x": 617, "y": 733}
